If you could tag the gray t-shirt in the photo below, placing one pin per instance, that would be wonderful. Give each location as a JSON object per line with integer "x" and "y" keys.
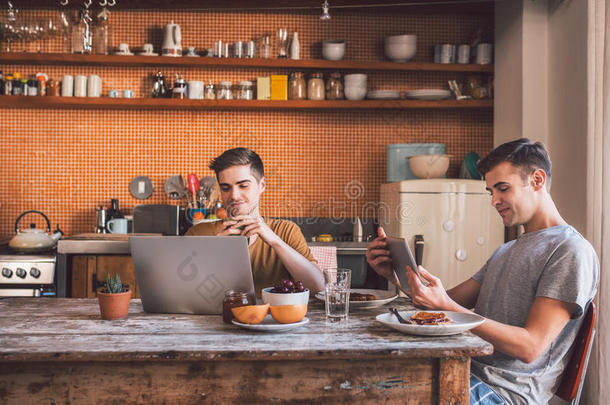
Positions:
{"x": 554, "y": 262}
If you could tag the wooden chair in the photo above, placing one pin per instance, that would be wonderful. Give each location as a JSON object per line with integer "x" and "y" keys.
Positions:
{"x": 574, "y": 375}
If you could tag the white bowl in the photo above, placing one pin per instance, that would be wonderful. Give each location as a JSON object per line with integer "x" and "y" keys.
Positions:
{"x": 274, "y": 299}
{"x": 400, "y": 52}
{"x": 355, "y": 79}
{"x": 333, "y": 49}
{"x": 429, "y": 166}
{"x": 401, "y": 39}
{"x": 355, "y": 92}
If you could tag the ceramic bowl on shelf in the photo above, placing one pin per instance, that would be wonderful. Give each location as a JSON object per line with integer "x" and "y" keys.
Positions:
{"x": 355, "y": 92}
{"x": 272, "y": 298}
{"x": 333, "y": 49}
{"x": 400, "y": 52}
{"x": 429, "y": 166}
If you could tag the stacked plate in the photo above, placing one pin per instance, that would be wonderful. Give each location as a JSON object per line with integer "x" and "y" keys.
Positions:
{"x": 428, "y": 94}
{"x": 383, "y": 95}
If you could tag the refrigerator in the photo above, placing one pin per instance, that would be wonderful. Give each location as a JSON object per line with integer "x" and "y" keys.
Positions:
{"x": 449, "y": 224}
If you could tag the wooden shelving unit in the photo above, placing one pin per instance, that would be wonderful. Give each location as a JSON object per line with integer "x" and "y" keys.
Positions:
{"x": 105, "y": 103}
{"x": 20, "y": 58}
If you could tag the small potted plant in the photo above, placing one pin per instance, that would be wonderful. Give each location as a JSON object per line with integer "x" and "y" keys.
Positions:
{"x": 114, "y": 299}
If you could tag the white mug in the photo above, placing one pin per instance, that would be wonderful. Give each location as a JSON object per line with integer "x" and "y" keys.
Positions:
{"x": 117, "y": 225}
{"x": 127, "y": 93}
{"x": 94, "y": 86}
{"x": 67, "y": 86}
{"x": 195, "y": 89}
{"x": 484, "y": 54}
{"x": 124, "y": 48}
{"x": 148, "y": 48}
{"x": 80, "y": 86}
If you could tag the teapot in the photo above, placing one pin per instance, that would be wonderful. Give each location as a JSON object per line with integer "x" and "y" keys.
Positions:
{"x": 171, "y": 40}
{"x": 33, "y": 239}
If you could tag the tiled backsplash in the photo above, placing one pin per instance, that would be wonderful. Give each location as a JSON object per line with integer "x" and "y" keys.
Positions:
{"x": 318, "y": 163}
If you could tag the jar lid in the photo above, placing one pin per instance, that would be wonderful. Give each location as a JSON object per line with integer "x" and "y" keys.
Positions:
{"x": 317, "y": 74}
{"x": 225, "y": 84}
{"x": 245, "y": 83}
{"x": 296, "y": 74}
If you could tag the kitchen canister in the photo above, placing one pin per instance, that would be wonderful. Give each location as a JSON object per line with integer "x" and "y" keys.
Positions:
{"x": 80, "y": 86}
{"x": 397, "y": 164}
{"x": 67, "y": 86}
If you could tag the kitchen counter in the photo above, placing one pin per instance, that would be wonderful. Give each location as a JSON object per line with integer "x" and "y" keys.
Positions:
{"x": 59, "y": 349}
{"x": 114, "y": 244}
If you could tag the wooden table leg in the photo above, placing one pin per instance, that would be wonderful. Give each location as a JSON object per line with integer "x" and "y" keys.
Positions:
{"x": 454, "y": 381}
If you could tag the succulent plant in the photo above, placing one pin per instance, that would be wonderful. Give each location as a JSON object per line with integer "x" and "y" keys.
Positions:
{"x": 114, "y": 284}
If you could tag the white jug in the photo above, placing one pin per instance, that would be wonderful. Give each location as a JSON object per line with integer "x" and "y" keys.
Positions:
{"x": 171, "y": 40}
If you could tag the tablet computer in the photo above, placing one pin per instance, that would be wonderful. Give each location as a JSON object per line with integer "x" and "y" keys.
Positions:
{"x": 401, "y": 257}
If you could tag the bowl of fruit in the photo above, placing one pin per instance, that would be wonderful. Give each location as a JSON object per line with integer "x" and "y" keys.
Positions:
{"x": 286, "y": 292}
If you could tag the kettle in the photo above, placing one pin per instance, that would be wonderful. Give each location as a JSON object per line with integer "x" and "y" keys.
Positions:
{"x": 33, "y": 239}
{"x": 171, "y": 40}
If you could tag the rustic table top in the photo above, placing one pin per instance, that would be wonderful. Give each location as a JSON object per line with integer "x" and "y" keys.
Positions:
{"x": 57, "y": 329}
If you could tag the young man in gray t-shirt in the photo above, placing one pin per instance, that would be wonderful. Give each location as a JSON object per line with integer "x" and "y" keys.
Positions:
{"x": 533, "y": 291}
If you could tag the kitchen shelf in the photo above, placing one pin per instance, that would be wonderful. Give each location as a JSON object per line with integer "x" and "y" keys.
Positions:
{"x": 105, "y": 103}
{"x": 21, "y": 58}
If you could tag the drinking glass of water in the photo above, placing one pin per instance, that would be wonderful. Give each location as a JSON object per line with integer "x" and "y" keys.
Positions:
{"x": 337, "y": 284}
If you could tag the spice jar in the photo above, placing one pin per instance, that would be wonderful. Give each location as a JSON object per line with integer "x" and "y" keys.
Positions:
{"x": 210, "y": 92}
{"x": 334, "y": 87}
{"x": 179, "y": 90}
{"x": 234, "y": 299}
{"x": 245, "y": 90}
{"x": 297, "y": 89}
{"x": 53, "y": 88}
{"x": 223, "y": 91}
{"x": 315, "y": 87}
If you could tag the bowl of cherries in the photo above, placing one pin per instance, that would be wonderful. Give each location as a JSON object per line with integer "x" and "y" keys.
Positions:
{"x": 286, "y": 292}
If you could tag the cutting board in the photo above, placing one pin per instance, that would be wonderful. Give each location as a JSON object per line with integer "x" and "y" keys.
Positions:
{"x": 108, "y": 236}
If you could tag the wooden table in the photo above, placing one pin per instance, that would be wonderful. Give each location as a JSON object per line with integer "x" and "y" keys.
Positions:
{"x": 58, "y": 351}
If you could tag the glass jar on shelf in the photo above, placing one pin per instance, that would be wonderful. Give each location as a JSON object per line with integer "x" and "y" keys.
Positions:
{"x": 297, "y": 89}
{"x": 224, "y": 91}
{"x": 245, "y": 90}
{"x": 315, "y": 87}
{"x": 334, "y": 87}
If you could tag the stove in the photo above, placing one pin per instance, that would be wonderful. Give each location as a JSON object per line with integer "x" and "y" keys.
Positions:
{"x": 28, "y": 275}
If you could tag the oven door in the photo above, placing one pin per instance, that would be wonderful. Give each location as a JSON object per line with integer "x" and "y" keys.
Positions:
{"x": 363, "y": 276}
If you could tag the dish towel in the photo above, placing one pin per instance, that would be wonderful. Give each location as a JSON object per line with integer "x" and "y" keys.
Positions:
{"x": 325, "y": 255}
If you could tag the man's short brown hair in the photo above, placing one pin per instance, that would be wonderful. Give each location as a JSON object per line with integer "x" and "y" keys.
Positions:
{"x": 522, "y": 153}
{"x": 239, "y": 157}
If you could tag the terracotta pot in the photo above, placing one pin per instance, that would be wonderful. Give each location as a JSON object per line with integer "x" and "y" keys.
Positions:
{"x": 114, "y": 306}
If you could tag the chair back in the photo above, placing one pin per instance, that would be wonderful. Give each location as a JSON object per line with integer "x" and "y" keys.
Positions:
{"x": 574, "y": 375}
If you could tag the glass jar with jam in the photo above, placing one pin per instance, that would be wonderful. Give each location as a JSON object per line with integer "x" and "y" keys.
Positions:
{"x": 315, "y": 87}
{"x": 234, "y": 299}
{"x": 297, "y": 89}
{"x": 334, "y": 87}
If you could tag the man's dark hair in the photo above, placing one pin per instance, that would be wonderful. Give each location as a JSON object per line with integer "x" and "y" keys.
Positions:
{"x": 239, "y": 157}
{"x": 524, "y": 154}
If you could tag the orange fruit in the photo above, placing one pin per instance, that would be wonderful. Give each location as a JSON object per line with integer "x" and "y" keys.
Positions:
{"x": 198, "y": 215}
{"x": 288, "y": 313}
{"x": 221, "y": 213}
{"x": 251, "y": 314}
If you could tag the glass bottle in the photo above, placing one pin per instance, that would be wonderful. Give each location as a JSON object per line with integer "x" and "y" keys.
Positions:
{"x": 102, "y": 34}
{"x": 334, "y": 87}
{"x": 234, "y": 299}
{"x": 114, "y": 211}
{"x": 210, "y": 92}
{"x": 223, "y": 91}
{"x": 81, "y": 33}
{"x": 245, "y": 90}
{"x": 297, "y": 89}
{"x": 315, "y": 87}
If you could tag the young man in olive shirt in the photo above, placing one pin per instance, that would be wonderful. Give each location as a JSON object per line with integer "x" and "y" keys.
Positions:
{"x": 278, "y": 249}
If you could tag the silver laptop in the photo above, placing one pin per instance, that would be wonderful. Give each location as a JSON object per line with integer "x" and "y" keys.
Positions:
{"x": 190, "y": 274}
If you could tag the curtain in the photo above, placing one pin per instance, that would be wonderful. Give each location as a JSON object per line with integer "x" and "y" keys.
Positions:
{"x": 597, "y": 388}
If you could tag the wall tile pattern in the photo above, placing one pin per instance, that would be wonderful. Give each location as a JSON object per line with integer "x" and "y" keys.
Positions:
{"x": 324, "y": 163}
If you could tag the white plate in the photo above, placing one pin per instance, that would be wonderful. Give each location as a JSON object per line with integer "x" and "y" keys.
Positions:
{"x": 383, "y": 95}
{"x": 148, "y": 54}
{"x": 461, "y": 323}
{"x": 271, "y": 325}
{"x": 428, "y": 94}
{"x": 383, "y": 297}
